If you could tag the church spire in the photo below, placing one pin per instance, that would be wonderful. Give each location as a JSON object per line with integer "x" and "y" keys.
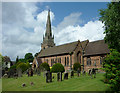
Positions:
{"x": 48, "y": 25}
{"x": 48, "y": 40}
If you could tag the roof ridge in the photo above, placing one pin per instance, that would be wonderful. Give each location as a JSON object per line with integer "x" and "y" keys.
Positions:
{"x": 68, "y": 43}
{"x": 97, "y": 41}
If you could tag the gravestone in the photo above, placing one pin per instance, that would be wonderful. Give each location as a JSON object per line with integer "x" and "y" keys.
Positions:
{"x": 50, "y": 76}
{"x": 66, "y": 75}
{"x": 72, "y": 73}
{"x": 19, "y": 72}
{"x": 44, "y": 73}
{"x": 30, "y": 72}
{"x": 47, "y": 77}
{"x": 94, "y": 72}
{"x": 84, "y": 73}
{"x": 89, "y": 73}
{"x": 78, "y": 72}
{"x": 58, "y": 76}
{"x": 38, "y": 71}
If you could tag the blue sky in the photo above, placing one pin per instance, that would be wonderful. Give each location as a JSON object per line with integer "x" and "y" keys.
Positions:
{"x": 89, "y": 10}
{"x": 23, "y": 24}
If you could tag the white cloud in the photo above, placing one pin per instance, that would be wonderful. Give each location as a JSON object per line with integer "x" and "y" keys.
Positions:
{"x": 23, "y": 33}
{"x": 70, "y": 32}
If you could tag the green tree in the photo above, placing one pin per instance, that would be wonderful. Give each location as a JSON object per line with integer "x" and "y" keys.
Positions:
{"x": 111, "y": 66}
{"x": 36, "y": 54}
{"x": 22, "y": 60}
{"x": 58, "y": 67}
{"x": 76, "y": 66}
{"x": 45, "y": 66}
{"x": 17, "y": 59}
{"x": 1, "y": 60}
{"x": 111, "y": 19}
{"x": 23, "y": 66}
{"x": 29, "y": 57}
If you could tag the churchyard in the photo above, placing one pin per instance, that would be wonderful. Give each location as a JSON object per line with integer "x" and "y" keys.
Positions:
{"x": 38, "y": 83}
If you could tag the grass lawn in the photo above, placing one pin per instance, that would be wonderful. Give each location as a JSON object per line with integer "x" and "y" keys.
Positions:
{"x": 82, "y": 83}
{"x": 0, "y": 85}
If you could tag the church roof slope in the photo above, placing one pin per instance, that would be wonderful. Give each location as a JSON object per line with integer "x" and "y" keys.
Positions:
{"x": 96, "y": 47}
{"x": 57, "y": 50}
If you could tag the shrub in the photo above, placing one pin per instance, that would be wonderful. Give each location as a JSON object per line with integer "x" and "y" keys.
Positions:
{"x": 57, "y": 68}
{"x": 45, "y": 66}
{"x": 111, "y": 66}
{"x": 76, "y": 66}
{"x": 23, "y": 66}
{"x": 11, "y": 70}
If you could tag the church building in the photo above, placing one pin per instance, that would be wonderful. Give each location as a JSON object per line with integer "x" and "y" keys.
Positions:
{"x": 88, "y": 54}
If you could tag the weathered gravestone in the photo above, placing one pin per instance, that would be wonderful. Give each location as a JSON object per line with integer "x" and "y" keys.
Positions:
{"x": 38, "y": 71}
{"x": 66, "y": 75}
{"x": 78, "y": 72}
{"x": 58, "y": 76}
{"x": 84, "y": 73}
{"x": 72, "y": 73}
{"x": 94, "y": 72}
{"x": 48, "y": 76}
{"x": 30, "y": 72}
{"x": 19, "y": 72}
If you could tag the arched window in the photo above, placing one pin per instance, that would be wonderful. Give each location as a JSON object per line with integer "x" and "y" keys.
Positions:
{"x": 67, "y": 61}
{"x": 60, "y": 60}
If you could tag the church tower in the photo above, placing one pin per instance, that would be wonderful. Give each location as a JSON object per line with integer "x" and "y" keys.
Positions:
{"x": 48, "y": 40}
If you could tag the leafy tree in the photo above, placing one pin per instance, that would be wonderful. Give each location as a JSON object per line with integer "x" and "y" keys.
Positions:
{"x": 36, "y": 54}
{"x": 1, "y": 60}
{"x": 46, "y": 66}
{"x": 58, "y": 67}
{"x": 76, "y": 66}
{"x": 23, "y": 66}
{"x": 17, "y": 59}
{"x": 29, "y": 57}
{"x": 111, "y": 66}
{"x": 111, "y": 19}
{"x": 22, "y": 60}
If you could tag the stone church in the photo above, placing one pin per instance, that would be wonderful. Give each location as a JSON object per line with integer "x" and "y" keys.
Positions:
{"x": 88, "y": 54}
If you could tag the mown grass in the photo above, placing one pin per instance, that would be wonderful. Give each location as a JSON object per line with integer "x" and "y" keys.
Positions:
{"x": 82, "y": 83}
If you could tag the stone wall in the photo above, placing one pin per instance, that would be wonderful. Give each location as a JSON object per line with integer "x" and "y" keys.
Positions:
{"x": 96, "y": 62}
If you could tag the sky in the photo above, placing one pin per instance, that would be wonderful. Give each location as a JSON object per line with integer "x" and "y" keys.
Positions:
{"x": 24, "y": 24}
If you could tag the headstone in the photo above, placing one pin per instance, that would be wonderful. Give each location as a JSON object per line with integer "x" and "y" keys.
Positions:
{"x": 19, "y": 72}
{"x": 58, "y": 76}
{"x": 31, "y": 72}
{"x": 47, "y": 77}
{"x": 89, "y": 73}
{"x": 84, "y": 73}
{"x": 5, "y": 76}
{"x": 78, "y": 73}
{"x": 72, "y": 74}
{"x": 38, "y": 71}
{"x": 66, "y": 75}
{"x": 50, "y": 76}
{"x": 94, "y": 72}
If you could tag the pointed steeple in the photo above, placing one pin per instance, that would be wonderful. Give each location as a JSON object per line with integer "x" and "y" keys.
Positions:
{"x": 48, "y": 25}
{"x": 48, "y": 40}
